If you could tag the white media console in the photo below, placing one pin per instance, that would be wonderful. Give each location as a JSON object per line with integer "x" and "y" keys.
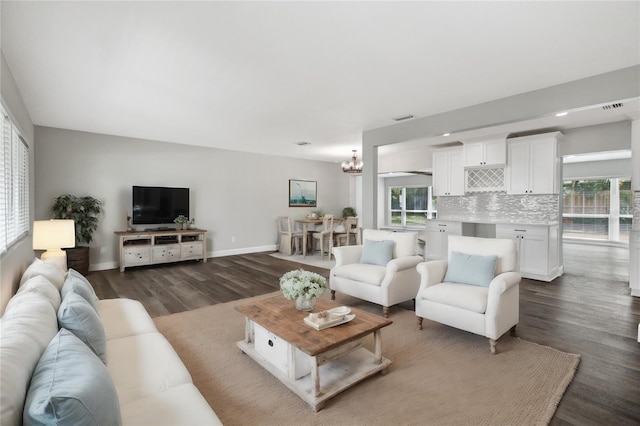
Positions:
{"x": 139, "y": 248}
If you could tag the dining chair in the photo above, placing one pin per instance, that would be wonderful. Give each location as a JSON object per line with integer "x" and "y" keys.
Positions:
{"x": 325, "y": 235}
{"x": 345, "y": 231}
{"x": 288, "y": 236}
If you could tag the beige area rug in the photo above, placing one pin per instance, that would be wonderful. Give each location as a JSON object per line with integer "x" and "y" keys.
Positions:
{"x": 439, "y": 376}
{"x": 313, "y": 260}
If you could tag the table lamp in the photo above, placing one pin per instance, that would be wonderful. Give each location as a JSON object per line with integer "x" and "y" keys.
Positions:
{"x": 54, "y": 235}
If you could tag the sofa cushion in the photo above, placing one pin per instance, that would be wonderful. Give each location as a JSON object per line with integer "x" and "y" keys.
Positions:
{"x": 27, "y": 326}
{"x": 79, "y": 317}
{"x": 377, "y": 252}
{"x": 124, "y": 317}
{"x": 362, "y": 272}
{"x": 470, "y": 269}
{"x": 77, "y": 282}
{"x": 180, "y": 405}
{"x": 468, "y": 297}
{"x": 42, "y": 286}
{"x": 71, "y": 386}
{"x": 49, "y": 270}
{"x": 406, "y": 243}
{"x": 144, "y": 365}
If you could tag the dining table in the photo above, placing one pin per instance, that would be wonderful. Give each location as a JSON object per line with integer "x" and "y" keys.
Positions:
{"x": 305, "y": 229}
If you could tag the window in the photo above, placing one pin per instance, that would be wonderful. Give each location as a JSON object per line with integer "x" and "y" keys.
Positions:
{"x": 14, "y": 180}
{"x": 599, "y": 209}
{"x": 410, "y": 206}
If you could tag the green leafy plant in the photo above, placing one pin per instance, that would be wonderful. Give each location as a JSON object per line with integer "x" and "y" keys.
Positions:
{"x": 85, "y": 212}
{"x": 181, "y": 219}
{"x": 349, "y": 212}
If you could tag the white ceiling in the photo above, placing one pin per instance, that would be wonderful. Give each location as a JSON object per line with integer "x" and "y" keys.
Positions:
{"x": 261, "y": 76}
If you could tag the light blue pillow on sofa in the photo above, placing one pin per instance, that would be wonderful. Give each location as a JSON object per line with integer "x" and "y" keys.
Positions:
{"x": 377, "y": 252}
{"x": 77, "y": 282}
{"x": 78, "y": 316}
{"x": 70, "y": 386}
{"x": 471, "y": 269}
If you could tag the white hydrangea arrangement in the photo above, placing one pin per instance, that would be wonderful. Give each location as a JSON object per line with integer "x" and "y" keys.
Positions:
{"x": 300, "y": 282}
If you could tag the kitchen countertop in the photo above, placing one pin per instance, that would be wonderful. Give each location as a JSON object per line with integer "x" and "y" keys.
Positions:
{"x": 495, "y": 222}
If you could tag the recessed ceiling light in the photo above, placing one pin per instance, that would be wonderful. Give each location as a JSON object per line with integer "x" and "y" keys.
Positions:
{"x": 562, "y": 114}
{"x": 446, "y": 134}
{"x": 403, "y": 117}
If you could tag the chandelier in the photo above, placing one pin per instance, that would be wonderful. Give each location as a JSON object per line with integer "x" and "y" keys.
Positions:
{"x": 352, "y": 166}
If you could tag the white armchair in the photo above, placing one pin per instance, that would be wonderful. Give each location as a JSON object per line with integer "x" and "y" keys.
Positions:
{"x": 387, "y": 283}
{"x": 488, "y": 310}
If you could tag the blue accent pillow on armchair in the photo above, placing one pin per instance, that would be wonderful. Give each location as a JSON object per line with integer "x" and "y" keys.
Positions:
{"x": 471, "y": 269}
{"x": 377, "y": 252}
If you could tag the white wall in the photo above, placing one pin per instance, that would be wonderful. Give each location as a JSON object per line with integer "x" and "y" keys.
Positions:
{"x": 603, "y": 137}
{"x": 16, "y": 259}
{"x": 234, "y": 195}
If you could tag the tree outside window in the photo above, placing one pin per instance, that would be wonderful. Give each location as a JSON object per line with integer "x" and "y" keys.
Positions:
{"x": 598, "y": 209}
{"x": 410, "y": 206}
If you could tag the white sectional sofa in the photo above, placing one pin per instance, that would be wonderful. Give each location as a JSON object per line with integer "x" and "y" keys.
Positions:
{"x": 68, "y": 358}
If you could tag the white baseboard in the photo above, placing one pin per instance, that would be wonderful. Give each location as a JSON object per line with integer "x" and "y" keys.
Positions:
{"x": 103, "y": 266}
{"x": 244, "y": 250}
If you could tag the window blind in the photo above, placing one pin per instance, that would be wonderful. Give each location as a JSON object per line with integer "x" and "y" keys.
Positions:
{"x": 14, "y": 181}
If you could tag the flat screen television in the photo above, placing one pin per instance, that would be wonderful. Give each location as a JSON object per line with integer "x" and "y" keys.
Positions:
{"x": 154, "y": 205}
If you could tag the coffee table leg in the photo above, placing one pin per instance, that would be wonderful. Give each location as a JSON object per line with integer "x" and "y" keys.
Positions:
{"x": 377, "y": 341}
{"x": 315, "y": 376}
{"x": 248, "y": 330}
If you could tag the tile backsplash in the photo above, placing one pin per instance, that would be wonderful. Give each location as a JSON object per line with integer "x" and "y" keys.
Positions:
{"x": 498, "y": 207}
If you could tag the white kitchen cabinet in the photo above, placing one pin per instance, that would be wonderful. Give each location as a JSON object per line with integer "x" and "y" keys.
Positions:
{"x": 533, "y": 164}
{"x": 448, "y": 172}
{"x": 490, "y": 153}
{"x": 437, "y": 237}
{"x": 538, "y": 249}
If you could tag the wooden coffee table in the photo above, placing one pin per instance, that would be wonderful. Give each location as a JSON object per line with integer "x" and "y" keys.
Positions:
{"x": 315, "y": 364}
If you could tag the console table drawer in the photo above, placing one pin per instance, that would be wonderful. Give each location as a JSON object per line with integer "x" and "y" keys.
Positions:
{"x": 136, "y": 256}
{"x": 192, "y": 250}
{"x": 166, "y": 253}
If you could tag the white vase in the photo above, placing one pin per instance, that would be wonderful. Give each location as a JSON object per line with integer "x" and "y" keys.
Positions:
{"x": 305, "y": 302}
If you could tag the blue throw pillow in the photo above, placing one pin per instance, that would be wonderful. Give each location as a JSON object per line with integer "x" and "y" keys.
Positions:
{"x": 78, "y": 316}
{"x": 471, "y": 269}
{"x": 77, "y": 282}
{"x": 70, "y": 386}
{"x": 377, "y": 252}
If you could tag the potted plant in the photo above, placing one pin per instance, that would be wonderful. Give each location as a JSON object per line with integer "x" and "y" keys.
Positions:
{"x": 85, "y": 212}
{"x": 182, "y": 221}
{"x": 303, "y": 287}
{"x": 349, "y": 212}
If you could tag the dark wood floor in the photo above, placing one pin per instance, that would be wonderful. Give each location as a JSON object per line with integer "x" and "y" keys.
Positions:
{"x": 587, "y": 311}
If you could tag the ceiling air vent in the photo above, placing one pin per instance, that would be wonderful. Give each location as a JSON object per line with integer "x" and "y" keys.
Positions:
{"x": 302, "y": 143}
{"x": 613, "y": 106}
{"x": 403, "y": 117}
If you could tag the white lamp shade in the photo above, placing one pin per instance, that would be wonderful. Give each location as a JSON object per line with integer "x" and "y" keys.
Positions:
{"x": 54, "y": 234}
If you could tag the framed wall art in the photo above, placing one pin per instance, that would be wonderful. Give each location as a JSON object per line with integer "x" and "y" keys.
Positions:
{"x": 303, "y": 193}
